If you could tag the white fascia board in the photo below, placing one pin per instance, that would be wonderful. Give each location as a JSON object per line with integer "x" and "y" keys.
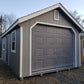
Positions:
{"x": 25, "y": 18}
{"x": 38, "y": 13}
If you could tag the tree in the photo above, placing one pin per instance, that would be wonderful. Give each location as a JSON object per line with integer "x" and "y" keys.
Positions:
{"x": 6, "y": 20}
{"x": 78, "y": 17}
{"x": 0, "y": 25}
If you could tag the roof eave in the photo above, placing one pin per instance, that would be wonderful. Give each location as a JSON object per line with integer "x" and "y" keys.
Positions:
{"x": 59, "y": 5}
{"x": 72, "y": 18}
{"x": 28, "y": 17}
{"x": 10, "y": 28}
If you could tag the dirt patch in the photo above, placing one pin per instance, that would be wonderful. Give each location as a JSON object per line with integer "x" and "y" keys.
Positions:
{"x": 75, "y": 76}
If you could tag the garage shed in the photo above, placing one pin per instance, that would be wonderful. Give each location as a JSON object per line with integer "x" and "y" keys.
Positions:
{"x": 42, "y": 42}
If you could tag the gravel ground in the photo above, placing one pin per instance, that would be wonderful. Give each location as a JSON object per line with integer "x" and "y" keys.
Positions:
{"x": 75, "y": 76}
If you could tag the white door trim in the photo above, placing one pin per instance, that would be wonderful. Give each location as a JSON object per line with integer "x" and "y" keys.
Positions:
{"x": 31, "y": 48}
{"x": 49, "y": 24}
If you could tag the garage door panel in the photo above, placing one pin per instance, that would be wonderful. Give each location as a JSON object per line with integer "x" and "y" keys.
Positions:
{"x": 38, "y": 35}
{"x": 38, "y": 52}
{"x": 38, "y": 40}
{"x": 39, "y": 63}
{"x": 51, "y": 47}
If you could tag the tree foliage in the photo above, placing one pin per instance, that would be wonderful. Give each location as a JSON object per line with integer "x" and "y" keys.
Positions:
{"x": 6, "y": 20}
{"x": 78, "y": 17}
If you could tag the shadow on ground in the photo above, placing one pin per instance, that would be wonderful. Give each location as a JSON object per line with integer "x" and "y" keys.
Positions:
{"x": 75, "y": 76}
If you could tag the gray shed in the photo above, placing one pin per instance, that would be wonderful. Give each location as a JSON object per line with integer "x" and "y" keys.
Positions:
{"x": 42, "y": 42}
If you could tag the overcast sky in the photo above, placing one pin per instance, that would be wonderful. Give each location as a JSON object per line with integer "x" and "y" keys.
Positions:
{"x": 23, "y": 7}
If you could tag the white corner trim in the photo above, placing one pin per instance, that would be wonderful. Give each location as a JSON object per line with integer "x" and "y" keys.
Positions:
{"x": 21, "y": 50}
{"x": 75, "y": 48}
{"x": 43, "y": 23}
{"x": 79, "y": 51}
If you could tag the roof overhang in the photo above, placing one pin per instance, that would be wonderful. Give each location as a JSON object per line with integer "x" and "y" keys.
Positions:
{"x": 25, "y": 18}
{"x": 28, "y": 17}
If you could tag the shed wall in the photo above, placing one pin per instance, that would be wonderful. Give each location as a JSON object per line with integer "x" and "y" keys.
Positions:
{"x": 47, "y": 18}
{"x": 13, "y": 58}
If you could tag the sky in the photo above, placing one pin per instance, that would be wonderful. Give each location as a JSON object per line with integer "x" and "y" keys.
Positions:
{"x": 21, "y": 8}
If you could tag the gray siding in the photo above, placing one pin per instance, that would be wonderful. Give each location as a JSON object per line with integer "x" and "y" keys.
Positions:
{"x": 3, "y": 50}
{"x": 13, "y": 58}
{"x": 48, "y": 18}
{"x": 0, "y": 47}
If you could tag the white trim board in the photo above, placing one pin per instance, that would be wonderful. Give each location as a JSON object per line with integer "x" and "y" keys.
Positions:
{"x": 68, "y": 27}
{"x": 31, "y": 46}
{"x": 21, "y": 50}
{"x": 75, "y": 48}
{"x": 79, "y": 51}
